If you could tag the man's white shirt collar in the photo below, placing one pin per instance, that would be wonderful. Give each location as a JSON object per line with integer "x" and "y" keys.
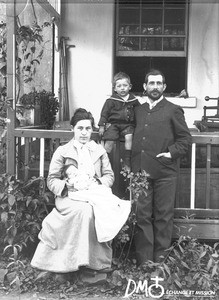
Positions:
{"x": 154, "y": 103}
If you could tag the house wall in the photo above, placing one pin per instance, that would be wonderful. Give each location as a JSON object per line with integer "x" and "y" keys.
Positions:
{"x": 90, "y": 27}
{"x": 203, "y": 56}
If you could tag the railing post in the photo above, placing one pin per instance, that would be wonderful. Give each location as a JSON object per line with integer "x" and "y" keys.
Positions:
{"x": 10, "y": 160}
{"x": 178, "y": 184}
{"x": 192, "y": 194}
{"x": 42, "y": 156}
{"x": 208, "y": 176}
{"x": 27, "y": 143}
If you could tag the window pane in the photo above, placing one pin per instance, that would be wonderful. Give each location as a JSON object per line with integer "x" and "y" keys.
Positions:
{"x": 128, "y": 43}
{"x": 173, "y": 44}
{"x": 129, "y": 30}
{"x": 174, "y": 16}
{"x": 151, "y": 44}
{"x": 152, "y": 16}
{"x": 178, "y": 3}
{"x": 174, "y": 69}
{"x": 174, "y": 29}
{"x": 129, "y": 16}
{"x": 147, "y": 29}
{"x": 161, "y": 22}
{"x": 129, "y": 3}
{"x": 150, "y": 3}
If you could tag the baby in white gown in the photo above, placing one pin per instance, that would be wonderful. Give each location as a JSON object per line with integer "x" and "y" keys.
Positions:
{"x": 110, "y": 212}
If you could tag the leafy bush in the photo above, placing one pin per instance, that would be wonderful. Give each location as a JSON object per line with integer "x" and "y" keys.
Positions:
{"x": 23, "y": 206}
{"x": 49, "y": 105}
{"x": 189, "y": 267}
{"x": 192, "y": 265}
{"x": 22, "y": 209}
{"x": 137, "y": 185}
{"x": 188, "y": 264}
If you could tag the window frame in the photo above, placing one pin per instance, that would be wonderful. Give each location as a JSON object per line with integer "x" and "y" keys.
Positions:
{"x": 154, "y": 53}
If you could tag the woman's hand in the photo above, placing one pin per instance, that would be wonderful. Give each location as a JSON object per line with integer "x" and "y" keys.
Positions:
{"x": 70, "y": 185}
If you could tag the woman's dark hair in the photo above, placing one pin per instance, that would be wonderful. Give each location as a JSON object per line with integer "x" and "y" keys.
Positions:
{"x": 81, "y": 114}
{"x": 154, "y": 72}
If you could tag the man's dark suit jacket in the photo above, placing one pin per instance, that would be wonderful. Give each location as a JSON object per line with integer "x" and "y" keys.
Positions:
{"x": 160, "y": 129}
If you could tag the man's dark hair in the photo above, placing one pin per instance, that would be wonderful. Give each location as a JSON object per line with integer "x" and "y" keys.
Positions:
{"x": 154, "y": 72}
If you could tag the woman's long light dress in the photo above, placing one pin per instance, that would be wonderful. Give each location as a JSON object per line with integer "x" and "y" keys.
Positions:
{"x": 68, "y": 237}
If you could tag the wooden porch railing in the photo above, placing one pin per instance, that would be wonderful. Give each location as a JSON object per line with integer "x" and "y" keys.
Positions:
{"x": 34, "y": 148}
{"x": 204, "y": 220}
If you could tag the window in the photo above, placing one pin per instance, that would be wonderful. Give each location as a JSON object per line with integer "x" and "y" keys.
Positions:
{"x": 152, "y": 34}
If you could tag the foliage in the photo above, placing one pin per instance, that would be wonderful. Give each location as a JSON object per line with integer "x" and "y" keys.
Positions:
{"x": 23, "y": 206}
{"x": 137, "y": 185}
{"x": 3, "y": 111}
{"x": 22, "y": 209}
{"x": 189, "y": 265}
{"x": 3, "y": 49}
{"x": 3, "y": 151}
{"x": 3, "y": 54}
{"x": 49, "y": 105}
{"x": 192, "y": 265}
{"x": 15, "y": 267}
{"x": 30, "y": 40}
{"x": 30, "y": 49}
{"x": 3, "y": 131}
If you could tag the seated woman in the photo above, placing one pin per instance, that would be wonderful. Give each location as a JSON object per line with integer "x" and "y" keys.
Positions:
{"x": 68, "y": 239}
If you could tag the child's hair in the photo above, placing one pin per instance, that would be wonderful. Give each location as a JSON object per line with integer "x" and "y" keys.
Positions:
{"x": 121, "y": 75}
{"x": 81, "y": 114}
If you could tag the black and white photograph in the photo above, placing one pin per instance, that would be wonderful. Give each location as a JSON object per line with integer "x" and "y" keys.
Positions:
{"x": 109, "y": 149}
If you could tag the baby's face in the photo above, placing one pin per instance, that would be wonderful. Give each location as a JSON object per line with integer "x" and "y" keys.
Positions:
{"x": 71, "y": 171}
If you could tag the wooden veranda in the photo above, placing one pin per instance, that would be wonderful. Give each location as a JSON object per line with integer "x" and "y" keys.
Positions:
{"x": 197, "y": 205}
{"x": 196, "y": 213}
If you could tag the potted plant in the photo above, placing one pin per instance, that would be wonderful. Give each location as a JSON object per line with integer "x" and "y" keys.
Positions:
{"x": 39, "y": 108}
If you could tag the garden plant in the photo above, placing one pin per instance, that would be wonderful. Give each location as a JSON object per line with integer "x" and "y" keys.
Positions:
{"x": 189, "y": 265}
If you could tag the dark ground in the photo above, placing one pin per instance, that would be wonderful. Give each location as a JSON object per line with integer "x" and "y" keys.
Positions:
{"x": 46, "y": 296}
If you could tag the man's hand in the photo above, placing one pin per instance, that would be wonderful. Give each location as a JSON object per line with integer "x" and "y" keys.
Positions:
{"x": 164, "y": 154}
{"x": 101, "y": 131}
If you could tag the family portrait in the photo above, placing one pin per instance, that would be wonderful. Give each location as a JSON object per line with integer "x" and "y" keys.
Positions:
{"x": 109, "y": 139}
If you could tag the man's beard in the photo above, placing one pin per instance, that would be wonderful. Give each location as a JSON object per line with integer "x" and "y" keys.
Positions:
{"x": 154, "y": 95}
